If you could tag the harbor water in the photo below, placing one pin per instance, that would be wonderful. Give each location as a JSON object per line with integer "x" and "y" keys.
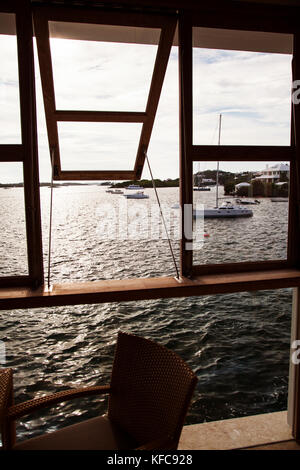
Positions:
{"x": 238, "y": 344}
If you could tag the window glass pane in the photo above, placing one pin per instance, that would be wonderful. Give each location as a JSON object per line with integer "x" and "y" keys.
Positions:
{"x": 10, "y": 130}
{"x": 246, "y": 216}
{"x": 100, "y": 235}
{"x": 251, "y": 89}
{"x": 98, "y": 146}
{"x": 101, "y": 74}
{"x": 13, "y": 249}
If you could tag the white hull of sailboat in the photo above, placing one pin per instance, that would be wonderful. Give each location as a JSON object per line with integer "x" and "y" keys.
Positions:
{"x": 224, "y": 213}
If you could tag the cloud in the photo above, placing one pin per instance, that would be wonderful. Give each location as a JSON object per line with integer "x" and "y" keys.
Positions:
{"x": 251, "y": 90}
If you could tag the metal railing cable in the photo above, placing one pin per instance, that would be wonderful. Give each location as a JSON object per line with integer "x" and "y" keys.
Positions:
{"x": 163, "y": 219}
{"x": 50, "y": 220}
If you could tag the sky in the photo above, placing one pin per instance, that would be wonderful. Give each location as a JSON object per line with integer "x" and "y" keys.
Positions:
{"x": 250, "y": 90}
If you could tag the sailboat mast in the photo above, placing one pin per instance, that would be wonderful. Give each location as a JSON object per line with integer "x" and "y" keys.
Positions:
{"x": 217, "y": 179}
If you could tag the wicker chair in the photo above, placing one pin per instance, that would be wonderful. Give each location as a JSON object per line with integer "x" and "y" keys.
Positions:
{"x": 149, "y": 394}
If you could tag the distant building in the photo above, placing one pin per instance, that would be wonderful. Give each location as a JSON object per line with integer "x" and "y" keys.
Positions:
{"x": 274, "y": 173}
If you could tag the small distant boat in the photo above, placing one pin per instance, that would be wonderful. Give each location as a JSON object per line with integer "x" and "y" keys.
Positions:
{"x": 279, "y": 199}
{"x": 245, "y": 201}
{"x": 137, "y": 195}
{"x": 134, "y": 187}
{"x": 201, "y": 188}
{"x": 117, "y": 191}
{"x": 109, "y": 191}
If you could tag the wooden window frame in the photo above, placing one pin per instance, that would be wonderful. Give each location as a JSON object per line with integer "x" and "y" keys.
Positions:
{"x": 190, "y": 153}
{"x": 209, "y": 279}
{"x": 18, "y": 292}
{"x": 26, "y": 152}
{"x": 166, "y": 24}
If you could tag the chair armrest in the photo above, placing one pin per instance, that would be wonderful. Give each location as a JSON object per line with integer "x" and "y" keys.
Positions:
{"x": 21, "y": 409}
{"x": 164, "y": 443}
{"x": 6, "y": 385}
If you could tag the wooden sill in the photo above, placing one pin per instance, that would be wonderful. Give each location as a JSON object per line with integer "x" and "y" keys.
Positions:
{"x": 146, "y": 288}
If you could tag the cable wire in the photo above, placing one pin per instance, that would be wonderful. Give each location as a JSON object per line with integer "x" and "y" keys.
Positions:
{"x": 50, "y": 218}
{"x": 162, "y": 216}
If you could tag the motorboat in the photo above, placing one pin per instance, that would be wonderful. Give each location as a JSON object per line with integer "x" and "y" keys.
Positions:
{"x": 201, "y": 188}
{"x": 246, "y": 201}
{"x": 134, "y": 187}
{"x": 137, "y": 195}
{"x": 117, "y": 191}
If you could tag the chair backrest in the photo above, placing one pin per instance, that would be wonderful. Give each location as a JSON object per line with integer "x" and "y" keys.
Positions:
{"x": 151, "y": 389}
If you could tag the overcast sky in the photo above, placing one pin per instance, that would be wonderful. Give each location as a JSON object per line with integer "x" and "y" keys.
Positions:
{"x": 251, "y": 90}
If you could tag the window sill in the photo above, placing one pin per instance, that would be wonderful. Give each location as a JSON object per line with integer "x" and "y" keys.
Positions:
{"x": 268, "y": 431}
{"x": 146, "y": 288}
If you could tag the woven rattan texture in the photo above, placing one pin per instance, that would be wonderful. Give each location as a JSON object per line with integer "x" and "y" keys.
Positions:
{"x": 30, "y": 406}
{"x": 151, "y": 389}
{"x": 6, "y": 383}
{"x": 6, "y": 399}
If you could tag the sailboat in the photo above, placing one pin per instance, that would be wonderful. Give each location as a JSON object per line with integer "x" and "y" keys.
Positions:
{"x": 226, "y": 209}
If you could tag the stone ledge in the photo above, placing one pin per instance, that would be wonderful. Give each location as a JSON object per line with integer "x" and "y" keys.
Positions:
{"x": 268, "y": 430}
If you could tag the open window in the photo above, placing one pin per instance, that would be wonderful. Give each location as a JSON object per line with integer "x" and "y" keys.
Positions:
{"x": 106, "y": 28}
{"x": 233, "y": 151}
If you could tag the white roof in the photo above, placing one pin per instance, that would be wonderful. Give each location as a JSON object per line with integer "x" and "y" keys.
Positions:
{"x": 278, "y": 167}
{"x": 266, "y": 177}
{"x": 242, "y": 184}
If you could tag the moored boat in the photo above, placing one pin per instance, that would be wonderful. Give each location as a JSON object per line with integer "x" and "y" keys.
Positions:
{"x": 225, "y": 210}
{"x": 246, "y": 201}
{"x": 137, "y": 195}
{"x": 134, "y": 187}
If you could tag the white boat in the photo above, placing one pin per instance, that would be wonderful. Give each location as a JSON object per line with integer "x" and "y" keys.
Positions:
{"x": 226, "y": 210}
{"x": 117, "y": 191}
{"x": 134, "y": 187}
{"x": 246, "y": 201}
{"x": 201, "y": 188}
{"x": 137, "y": 195}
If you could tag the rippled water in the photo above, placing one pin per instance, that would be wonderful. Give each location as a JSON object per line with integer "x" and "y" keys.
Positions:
{"x": 238, "y": 344}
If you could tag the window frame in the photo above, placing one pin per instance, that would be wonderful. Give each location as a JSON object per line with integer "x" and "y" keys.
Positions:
{"x": 18, "y": 292}
{"x": 190, "y": 153}
{"x": 167, "y": 25}
{"x": 27, "y": 151}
